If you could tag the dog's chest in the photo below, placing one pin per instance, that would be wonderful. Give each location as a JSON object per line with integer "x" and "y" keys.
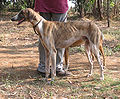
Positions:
{"x": 40, "y": 26}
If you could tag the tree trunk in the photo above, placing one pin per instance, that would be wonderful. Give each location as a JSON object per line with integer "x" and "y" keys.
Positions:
{"x": 0, "y": 4}
{"x": 80, "y": 8}
{"x": 81, "y": 11}
{"x": 108, "y": 7}
{"x": 97, "y": 9}
{"x": 94, "y": 9}
{"x": 99, "y": 3}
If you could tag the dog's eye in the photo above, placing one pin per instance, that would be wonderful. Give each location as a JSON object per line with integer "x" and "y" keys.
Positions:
{"x": 21, "y": 14}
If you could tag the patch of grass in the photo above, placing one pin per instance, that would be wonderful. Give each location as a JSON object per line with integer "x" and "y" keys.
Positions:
{"x": 115, "y": 83}
{"x": 111, "y": 34}
{"x": 6, "y": 80}
{"x": 2, "y": 37}
{"x": 63, "y": 84}
{"x": 87, "y": 89}
{"x": 111, "y": 31}
{"x": 77, "y": 49}
{"x": 108, "y": 51}
{"x": 81, "y": 49}
{"x": 86, "y": 85}
{"x": 116, "y": 18}
{"x": 116, "y": 48}
{"x": 103, "y": 89}
{"x": 115, "y": 32}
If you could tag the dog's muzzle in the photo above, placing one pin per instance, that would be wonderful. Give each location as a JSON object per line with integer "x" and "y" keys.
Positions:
{"x": 18, "y": 18}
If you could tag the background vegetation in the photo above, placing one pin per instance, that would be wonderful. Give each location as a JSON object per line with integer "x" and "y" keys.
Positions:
{"x": 100, "y": 9}
{"x": 97, "y": 8}
{"x": 19, "y": 56}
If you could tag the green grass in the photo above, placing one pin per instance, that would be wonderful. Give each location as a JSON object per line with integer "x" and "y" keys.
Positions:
{"x": 116, "y": 48}
{"x": 77, "y": 49}
{"x": 111, "y": 31}
{"x": 86, "y": 90}
{"x": 108, "y": 51}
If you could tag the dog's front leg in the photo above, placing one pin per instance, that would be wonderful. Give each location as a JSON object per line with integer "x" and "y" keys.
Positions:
{"x": 53, "y": 67}
{"x": 47, "y": 64}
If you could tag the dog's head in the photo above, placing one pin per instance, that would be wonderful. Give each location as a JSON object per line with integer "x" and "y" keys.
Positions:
{"x": 23, "y": 15}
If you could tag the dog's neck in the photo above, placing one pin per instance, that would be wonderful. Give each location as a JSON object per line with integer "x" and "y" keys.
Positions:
{"x": 38, "y": 24}
{"x": 36, "y": 20}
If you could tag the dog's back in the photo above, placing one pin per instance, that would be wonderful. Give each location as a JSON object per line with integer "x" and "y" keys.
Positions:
{"x": 70, "y": 32}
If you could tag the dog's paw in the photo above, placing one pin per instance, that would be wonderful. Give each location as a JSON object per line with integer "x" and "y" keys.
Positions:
{"x": 102, "y": 78}
{"x": 89, "y": 75}
{"x": 44, "y": 79}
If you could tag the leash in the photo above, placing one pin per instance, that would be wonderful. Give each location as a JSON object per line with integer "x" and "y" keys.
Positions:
{"x": 36, "y": 26}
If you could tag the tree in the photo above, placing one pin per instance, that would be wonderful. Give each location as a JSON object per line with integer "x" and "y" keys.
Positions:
{"x": 108, "y": 7}
{"x": 97, "y": 9}
{"x": 83, "y": 5}
{"x": 16, "y": 4}
{"x": 79, "y": 6}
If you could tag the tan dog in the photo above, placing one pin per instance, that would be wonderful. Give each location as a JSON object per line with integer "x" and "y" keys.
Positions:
{"x": 62, "y": 35}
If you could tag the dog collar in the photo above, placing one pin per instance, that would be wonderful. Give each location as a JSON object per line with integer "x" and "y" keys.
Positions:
{"x": 36, "y": 26}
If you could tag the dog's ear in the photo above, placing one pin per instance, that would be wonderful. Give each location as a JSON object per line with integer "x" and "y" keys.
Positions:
{"x": 29, "y": 15}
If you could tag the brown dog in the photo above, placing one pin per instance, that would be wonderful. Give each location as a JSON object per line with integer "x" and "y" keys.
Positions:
{"x": 63, "y": 35}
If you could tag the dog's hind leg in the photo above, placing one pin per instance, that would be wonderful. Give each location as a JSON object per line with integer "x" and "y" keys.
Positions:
{"x": 89, "y": 56}
{"x": 97, "y": 55}
{"x": 66, "y": 58}
{"x": 102, "y": 52}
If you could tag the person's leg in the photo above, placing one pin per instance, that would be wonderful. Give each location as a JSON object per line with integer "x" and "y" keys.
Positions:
{"x": 62, "y": 17}
{"x": 46, "y": 16}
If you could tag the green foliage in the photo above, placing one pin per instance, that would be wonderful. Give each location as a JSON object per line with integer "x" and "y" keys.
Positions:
{"x": 90, "y": 7}
{"x": 17, "y": 5}
{"x": 108, "y": 51}
{"x": 86, "y": 5}
{"x": 112, "y": 4}
{"x": 116, "y": 48}
{"x": 23, "y": 4}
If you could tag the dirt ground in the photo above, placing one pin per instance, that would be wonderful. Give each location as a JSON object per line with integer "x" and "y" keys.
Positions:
{"x": 19, "y": 60}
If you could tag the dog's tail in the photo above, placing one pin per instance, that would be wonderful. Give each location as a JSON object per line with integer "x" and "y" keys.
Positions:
{"x": 102, "y": 36}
